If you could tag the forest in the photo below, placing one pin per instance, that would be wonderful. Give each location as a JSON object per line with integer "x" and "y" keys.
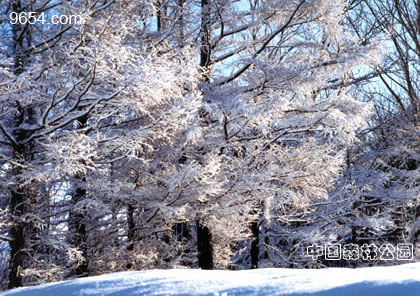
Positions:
{"x": 212, "y": 134}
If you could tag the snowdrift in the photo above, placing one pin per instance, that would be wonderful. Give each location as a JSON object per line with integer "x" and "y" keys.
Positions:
{"x": 401, "y": 280}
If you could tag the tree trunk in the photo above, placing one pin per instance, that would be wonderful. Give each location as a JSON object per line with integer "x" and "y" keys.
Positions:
{"x": 21, "y": 152}
{"x": 18, "y": 37}
{"x": 79, "y": 231}
{"x": 205, "y": 53}
{"x": 418, "y": 18}
{"x": 131, "y": 227}
{"x": 204, "y": 247}
{"x": 18, "y": 243}
{"x": 22, "y": 198}
{"x": 255, "y": 250}
{"x": 77, "y": 220}
{"x": 181, "y": 23}
{"x": 131, "y": 232}
{"x": 159, "y": 15}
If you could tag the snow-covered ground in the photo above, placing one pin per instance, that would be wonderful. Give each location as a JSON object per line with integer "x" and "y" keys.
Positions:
{"x": 401, "y": 280}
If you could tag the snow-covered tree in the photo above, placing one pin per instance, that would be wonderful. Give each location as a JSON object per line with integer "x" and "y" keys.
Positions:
{"x": 376, "y": 200}
{"x": 211, "y": 134}
{"x": 100, "y": 94}
{"x": 281, "y": 114}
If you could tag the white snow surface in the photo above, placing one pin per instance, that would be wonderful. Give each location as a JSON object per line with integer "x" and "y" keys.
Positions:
{"x": 393, "y": 281}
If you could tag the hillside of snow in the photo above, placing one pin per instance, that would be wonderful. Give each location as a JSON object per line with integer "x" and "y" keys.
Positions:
{"x": 401, "y": 280}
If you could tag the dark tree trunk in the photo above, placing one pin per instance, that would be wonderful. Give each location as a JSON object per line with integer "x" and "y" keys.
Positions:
{"x": 131, "y": 232}
{"x": 17, "y": 228}
{"x": 77, "y": 220}
{"x": 18, "y": 243}
{"x": 159, "y": 15}
{"x": 22, "y": 198}
{"x": 181, "y": 23}
{"x": 131, "y": 227}
{"x": 132, "y": 235}
{"x": 79, "y": 231}
{"x": 205, "y": 53}
{"x": 18, "y": 37}
{"x": 204, "y": 244}
{"x": 418, "y": 17}
{"x": 255, "y": 250}
{"x": 131, "y": 224}
{"x": 22, "y": 152}
{"x": 204, "y": 247}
